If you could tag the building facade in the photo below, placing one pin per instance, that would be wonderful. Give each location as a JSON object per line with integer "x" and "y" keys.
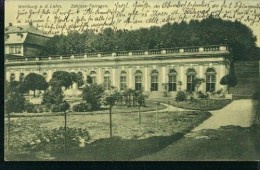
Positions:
{"x": 23, "y": 41}
{"x": 160, "y": 72}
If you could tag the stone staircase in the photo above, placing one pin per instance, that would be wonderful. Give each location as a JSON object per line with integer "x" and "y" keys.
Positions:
{"x": 248, "y": 77}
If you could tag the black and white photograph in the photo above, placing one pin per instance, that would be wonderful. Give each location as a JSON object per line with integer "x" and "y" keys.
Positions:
{"x": 126, "y": 80}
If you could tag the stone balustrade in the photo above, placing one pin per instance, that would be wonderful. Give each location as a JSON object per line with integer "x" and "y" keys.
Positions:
{"x": 197, "y": 49}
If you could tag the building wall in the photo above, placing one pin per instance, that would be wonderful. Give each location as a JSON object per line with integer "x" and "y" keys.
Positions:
{"x": 145, "y": 65}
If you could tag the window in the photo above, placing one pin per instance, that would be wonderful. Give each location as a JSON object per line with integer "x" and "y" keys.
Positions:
{"x": 172, "y": 80}
{"x": 210, "y": 80}
{"x": 138, "y": 80}
{"x": 21, "y": 77}
{"x": 191, "y": 74}
{"x": 93, "y": 77}
{"x": 123, "y": 85}
{"x": 12, "y": 77}
{"x": 15, "y": 49}
{"x": 154, "y": 80}
{"x": 107, "y": 84}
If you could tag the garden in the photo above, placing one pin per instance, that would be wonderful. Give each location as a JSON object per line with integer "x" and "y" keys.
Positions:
{"x": 103, "y": 125}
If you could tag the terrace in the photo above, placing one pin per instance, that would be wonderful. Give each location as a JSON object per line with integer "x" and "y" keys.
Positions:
{"x": 110, "y": 55}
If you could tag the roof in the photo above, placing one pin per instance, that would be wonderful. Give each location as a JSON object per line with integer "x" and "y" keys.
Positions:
{"x": 24, "y": 29}
{"x": 25, "y": 34}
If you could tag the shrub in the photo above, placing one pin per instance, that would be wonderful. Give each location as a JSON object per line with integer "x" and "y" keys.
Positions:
{"x": 92, "y": 94}
{"x": 54, "y": 139}
{"x": 32, "y": 108}
{"x": 202, "y": 95}
{"x": 82, "y": 107}
{"x": 15, "y": 102}
{"x": 181, "y": 96}
{"x": 256, "y": 95}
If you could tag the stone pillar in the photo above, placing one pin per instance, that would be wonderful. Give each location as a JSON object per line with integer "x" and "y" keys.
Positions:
{"x": 17, "y": 75}
{"x": 99, "y": 76}
{"x": 146, "y": 84}
{"x": 114, "y": 78}
{"x": 49, "y": 75}
{"x": 163, "y": 74}
{"x": 222, "y": 73}
{"x": 7, "y": 78}
{"x": 202, "y": 86}
{"x": 182, "y": 77}
{"x": 130, "y": 78}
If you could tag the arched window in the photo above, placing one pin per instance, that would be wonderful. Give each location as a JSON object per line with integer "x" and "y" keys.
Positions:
{"x": 210, "y": 80}
{"x": 172, "y": 80}
{"x": 154, "y": 80}
{"x": 45, "y": 75}
{"x": 138, "y": 80}
{"x": 107, "y": 83}
{"x": 191, "y": 74}
{"x": 93, "y": 76}
{"x": 123, "y": 85}
{"x": 12, "y": 77}
{"x": 21, "y": 77}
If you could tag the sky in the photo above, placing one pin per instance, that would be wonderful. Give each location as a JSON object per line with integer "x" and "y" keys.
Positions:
{"x": 50, "y": 15}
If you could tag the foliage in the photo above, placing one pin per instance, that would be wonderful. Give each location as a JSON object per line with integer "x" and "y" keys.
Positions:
{"x": 54, "y": 139}
{"x": 201, "y": 95}
{"x": 82, "y": 107}
{"x": 140, "y": 98}
{"x": 52, "y": 98}
{"x": 256, "y": 95}
{"x": 15, "y": 102}
{"x": 33, "y": 82}
{"x": 33, "y": 108}
{"x": 89, "y": 80}
{"x": 92, "y": 94}
{"x": 238, "y": 36}
{"x": 12, "y": 86}
{"x": 229, "y": 79}
{"x": 198, "y": 82}
{"x": 181, "y": 96}
{"x": 61, "y": 79}
{"x": 111, "y": 97}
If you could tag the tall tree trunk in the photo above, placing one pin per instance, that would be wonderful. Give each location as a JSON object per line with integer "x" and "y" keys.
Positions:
{"x": 139, "y": 114}
{"x": 110, "y": 120}
{"x": 65, "y": 130}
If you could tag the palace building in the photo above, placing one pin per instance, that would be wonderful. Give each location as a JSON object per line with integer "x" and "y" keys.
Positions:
{"x": 158, "y": 72}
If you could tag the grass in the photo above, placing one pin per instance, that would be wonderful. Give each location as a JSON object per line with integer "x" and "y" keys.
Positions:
{"x": 150, "y": 106}
{"x": 197, "y": 104}
{"x": 130, "y": 139}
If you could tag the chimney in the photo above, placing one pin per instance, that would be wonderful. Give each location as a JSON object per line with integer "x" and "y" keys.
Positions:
{"x": 10, "y": 24}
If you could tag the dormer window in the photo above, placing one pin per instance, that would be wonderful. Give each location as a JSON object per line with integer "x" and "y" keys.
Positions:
{"x": 7, "y": 36}
{"x": 20, "y": 34}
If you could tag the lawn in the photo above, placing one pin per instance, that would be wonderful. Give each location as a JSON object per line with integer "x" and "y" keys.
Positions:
{"x": 130, "y": 139}
{"x": 150, "y": 106}
{"x": 197, "y": 104}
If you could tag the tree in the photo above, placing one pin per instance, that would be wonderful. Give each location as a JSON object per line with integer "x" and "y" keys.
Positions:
{"x": 209, "y": 31}
{"x": 141, "y": 102}
{"x": 230, "y": 79}
{"x": 197, "y": 82}
{"x": 92, "y": 94}
{"x": 33, "y": 82}
{"x": 61, "y": 78}
{"x": 110, "y": 98}
{"x": 89, "y": 80}
{"x": 52, "y": 98}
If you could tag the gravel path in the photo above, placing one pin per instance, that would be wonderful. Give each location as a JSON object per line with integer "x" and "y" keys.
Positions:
{"x": 238, "y": 113}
